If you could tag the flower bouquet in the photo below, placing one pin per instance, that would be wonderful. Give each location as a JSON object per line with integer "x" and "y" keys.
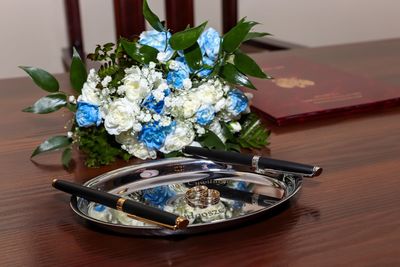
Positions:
{"x": 155, "y": 94}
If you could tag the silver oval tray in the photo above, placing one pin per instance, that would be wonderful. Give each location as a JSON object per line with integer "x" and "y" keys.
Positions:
{"x": 243, "y": 195}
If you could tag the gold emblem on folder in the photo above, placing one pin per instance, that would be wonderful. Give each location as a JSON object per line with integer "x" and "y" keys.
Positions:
{"x": 292, "y": 82}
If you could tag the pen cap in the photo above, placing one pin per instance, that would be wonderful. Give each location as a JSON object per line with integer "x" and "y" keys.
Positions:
{"x": 87, "y": 193}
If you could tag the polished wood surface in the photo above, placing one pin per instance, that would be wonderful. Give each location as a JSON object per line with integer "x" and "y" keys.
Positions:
{"x": 349, "y": 216}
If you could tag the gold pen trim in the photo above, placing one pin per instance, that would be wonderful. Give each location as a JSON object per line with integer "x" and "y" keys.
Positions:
{"x": 120, "y": 203}
{"x": 180, "y": 222}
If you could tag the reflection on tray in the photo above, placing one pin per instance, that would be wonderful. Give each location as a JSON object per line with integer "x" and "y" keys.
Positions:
{"x": 236, "y": 199}
{"x": 227, "y": 195}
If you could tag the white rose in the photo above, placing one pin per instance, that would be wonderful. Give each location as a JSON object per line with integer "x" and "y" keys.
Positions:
{"x": 216, "y": 128}
{"x": 165, "y": 56}
{"x": 120, "y": 116}
{"x": 132, "y": 146}
{"x": 190, "y": 107}
{"x": 90, "y": 94}
{"x": 187, "y": 84}
{"x": 209, "y": 94}
{"x": 182, "y": 135}
{"x": 136, "y": 90}
{"x": 220, "y": 105}
{"x": 158, "y": 94}
{"x": 133, "y": 72}
{"x": 235, "y": 126}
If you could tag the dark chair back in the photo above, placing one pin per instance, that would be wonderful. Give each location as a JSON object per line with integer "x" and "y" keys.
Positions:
{"x": 129, "y": 19}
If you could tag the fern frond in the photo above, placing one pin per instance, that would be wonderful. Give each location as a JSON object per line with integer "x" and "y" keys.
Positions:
{"x": 253, "y": 134}
{"x": 108, "y": 69}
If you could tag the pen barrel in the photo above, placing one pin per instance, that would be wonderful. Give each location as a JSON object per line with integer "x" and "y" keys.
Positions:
{"x": 134, "y": 209}
{"x": 87, "y": 193}
{"x": 247, "y": 197}
{"x": 285, "y": 166}
{"x": 243, "y": 159}
{"x": 149, "y": 213}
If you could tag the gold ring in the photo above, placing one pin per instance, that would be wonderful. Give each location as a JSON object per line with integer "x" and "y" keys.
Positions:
{"x": 213, "y": 197}
{"x": 202, "y": 197}
{"x": 120, "y": 203}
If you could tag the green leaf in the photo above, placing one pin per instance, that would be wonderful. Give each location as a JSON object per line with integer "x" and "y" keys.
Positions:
{"x": 173, "y": 154}
{"x": 253, "y": 134}
{"x": 229, "y": 73}
{"x": 42, "y": 78}
{"x": 211, "y": 140}
{"x": 233, "y": 39}
{"x": 77, "y": 72}
{"x": 252, "y": 35}
{"x": 48, "y": 104}
{"x": 141, "y": 53}
{"x": 185, "y": 39}
{"x": 71, "y": 107}
{"x": 99, "y": 147}
{"x": 53, "y": 143}
{"x": 148, "y": 54}
{"x": 193, "y": 56}
{"x": 152, "y": 18}
{"x": 66, "y": 157}
{"x": 131, "y": 48}
{"x": 248, "y": 66}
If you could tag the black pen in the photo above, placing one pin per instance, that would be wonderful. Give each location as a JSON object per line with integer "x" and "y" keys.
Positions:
{"x": 254, "y": 161}
{"x": 240, "y": 195}
{"x": 134, "y": 209}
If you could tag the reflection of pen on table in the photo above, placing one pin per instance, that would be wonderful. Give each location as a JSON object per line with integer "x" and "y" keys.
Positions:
{"x": 135, "y": 210}
{"x": 240, "y": 195}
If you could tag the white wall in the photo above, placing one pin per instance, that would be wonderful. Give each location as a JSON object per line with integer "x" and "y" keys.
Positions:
{"x": 319, "y": 22}
{"x": 31, "y": 33}
{"x": 34, "y": 32}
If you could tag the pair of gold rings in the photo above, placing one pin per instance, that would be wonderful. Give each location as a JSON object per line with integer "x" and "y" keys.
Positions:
{"x": 202, "y": 197}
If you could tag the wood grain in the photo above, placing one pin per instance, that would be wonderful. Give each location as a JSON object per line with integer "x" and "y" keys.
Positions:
{"x": 347, "y": 217}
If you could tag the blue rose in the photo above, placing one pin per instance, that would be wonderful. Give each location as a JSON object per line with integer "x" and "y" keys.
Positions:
{"x": 153, "y": 135}
{"x": 240, "y": 186}
{"x": 99, "y": 208}
{"x": 158, "y": 196}
{"x": 180, "y": 72}
{"x": 204, "y": 72}
{"x": 87, "y": 115}
{"x": 176, "y": 78}
{"x": 159, "y": 41}
{"x": 151, "y": 103}
{"x": 182, "y": 64}
{"x": 237, "y": 102}
{"x": 205, "y": 115}
{"x": 209, "y": 42}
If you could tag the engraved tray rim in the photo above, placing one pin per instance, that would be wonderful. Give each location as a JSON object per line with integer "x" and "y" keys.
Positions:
{"x": 191, "y": 229}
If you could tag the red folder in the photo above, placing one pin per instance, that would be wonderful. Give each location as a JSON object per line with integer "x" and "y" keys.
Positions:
{"x": 304, "y": 90}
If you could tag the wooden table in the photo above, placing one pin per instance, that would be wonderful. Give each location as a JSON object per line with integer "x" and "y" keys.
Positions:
{"x": 350, "y": 216}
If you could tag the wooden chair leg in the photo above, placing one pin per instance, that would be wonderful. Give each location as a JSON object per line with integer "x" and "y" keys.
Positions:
{"x": 180, "y": 13}
{"x": 129, "y": 19}
{"x": 229, "y": 14}
{"x": 74, "y": 26}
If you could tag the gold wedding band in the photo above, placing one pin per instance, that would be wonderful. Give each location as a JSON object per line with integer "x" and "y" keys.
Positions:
{"x": 202, "y": 197}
